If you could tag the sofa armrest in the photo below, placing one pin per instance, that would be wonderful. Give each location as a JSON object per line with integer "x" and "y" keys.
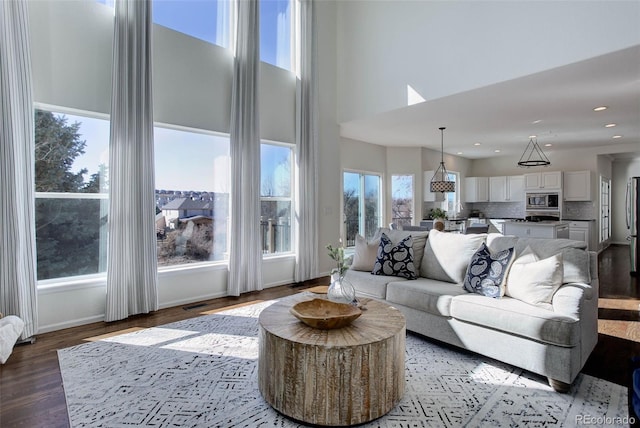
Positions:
{"x": 568, "y": 299}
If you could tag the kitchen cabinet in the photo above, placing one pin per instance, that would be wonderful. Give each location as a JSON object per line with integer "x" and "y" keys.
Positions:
{"x": 506, "y": 188}
{"x": 543, "y": 180}
{"x": 428, "y": 195}
{"x": 550, "y": 230}
{"x": 476, "y": 189}
{"x": 496, "y": 225}
{"x": 581, "y": 231}
{"x": 577, "y": 186}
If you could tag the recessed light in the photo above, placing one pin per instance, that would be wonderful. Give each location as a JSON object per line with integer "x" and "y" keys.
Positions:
{"x": 610, "y": 125}
{"x": 459, "y": 153}
{"x": 477, "y": 144}
{"x": 497, "y": 150}
{"x": 601, "y": 108}
{"x": 536, "y": 121}
{"x": 617, "y": 136}
{"x": 533, "y": 136}
{"x": 548, "y": 145}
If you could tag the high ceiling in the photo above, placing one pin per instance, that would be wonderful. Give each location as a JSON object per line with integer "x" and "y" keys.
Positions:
{"x": 555, "y": 105}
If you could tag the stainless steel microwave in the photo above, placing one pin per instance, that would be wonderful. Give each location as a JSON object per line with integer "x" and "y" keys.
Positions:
{"x": 543, "y": 201}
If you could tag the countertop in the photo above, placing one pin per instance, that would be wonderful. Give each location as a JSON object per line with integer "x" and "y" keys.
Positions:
{"x": 540, "y": 223}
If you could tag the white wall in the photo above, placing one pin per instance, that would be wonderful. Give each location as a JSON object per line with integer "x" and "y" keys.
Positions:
{"x": 441, "y": 48}
{"x": 71, "y": 45}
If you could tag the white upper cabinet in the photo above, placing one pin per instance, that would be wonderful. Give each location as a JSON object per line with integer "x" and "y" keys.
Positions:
{"x": 543, "y": 181}
{"x": 476, "y": 189}
{"x": 430, "y": 196}
{"x": 506, "y": 188}
{"x": 577, "y": 186}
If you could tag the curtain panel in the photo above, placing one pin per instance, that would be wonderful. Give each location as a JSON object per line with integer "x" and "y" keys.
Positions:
{"x": 245, "y": 259}
{"x": 132, "y": 261}
{"x": 18, "y": 293}
{"x": 307, "y": 152}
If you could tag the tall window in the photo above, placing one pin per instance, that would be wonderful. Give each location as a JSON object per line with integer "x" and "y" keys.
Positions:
{"x": 402, "y": 199}
{"x": 71, "y": 182}
{"x": 192, "y": 195}
{"x": 451, "y": 203}
{"x": 276, "y": 161}
{"x": 207, "y": 20}
{"x": 275, "y": 32}
{"x": 362, "y": 207}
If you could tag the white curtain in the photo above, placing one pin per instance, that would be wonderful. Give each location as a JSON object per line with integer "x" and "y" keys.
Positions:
{"x": 306, "y": 141}
{"x": 17, "y": 225}
{"x": 132, "y": 262}
{"x": 245, "y": 259}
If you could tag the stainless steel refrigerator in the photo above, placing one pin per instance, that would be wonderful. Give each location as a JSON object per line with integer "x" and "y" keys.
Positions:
{"x": 633, "y": 208}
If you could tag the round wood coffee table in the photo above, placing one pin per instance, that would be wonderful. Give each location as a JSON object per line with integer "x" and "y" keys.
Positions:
{"x": 335, "y": 377}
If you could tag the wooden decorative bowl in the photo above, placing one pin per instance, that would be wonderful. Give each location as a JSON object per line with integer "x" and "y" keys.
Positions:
{"x": 325, "y": 314}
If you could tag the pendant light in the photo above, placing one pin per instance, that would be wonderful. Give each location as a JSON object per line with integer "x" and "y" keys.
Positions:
{"x": 533, "y": 155}
{"x": 440, "y": 182}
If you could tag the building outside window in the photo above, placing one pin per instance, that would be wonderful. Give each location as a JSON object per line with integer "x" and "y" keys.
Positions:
{"x": 361, "y": 205}
{"x": 71, "y": 183}
{"x": 276, "y": 199}
{"x": 402, "y": 199}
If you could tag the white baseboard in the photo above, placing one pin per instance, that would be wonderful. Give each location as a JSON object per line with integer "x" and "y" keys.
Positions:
{"x": 70, "y": 323}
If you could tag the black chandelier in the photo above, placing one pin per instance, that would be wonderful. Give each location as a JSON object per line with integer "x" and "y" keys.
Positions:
{"x": 440, "y": 182}
{"x": 533, "y": 155}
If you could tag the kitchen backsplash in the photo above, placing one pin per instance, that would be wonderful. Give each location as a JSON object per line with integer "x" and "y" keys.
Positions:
{"x": 570, "y": 210}
{"x": 579, "y": 210}
{"x": 499, "y": 209}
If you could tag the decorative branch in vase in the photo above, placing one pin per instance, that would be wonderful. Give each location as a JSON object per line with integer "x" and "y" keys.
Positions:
{"x": 340, "y": 290}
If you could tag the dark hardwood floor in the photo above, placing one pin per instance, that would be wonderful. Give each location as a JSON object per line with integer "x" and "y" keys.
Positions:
{"x": 31, "y": 393}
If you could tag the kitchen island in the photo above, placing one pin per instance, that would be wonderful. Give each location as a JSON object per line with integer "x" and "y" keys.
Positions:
{"x": 537, "y": 229}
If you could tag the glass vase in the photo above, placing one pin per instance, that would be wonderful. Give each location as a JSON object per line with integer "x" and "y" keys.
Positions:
{"x": 341, "y": 290}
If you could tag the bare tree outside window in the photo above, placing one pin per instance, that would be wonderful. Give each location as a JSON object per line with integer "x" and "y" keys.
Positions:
{"x": 402, "y": 199}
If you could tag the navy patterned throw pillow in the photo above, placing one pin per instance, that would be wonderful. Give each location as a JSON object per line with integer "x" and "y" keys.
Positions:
{"x": 395, "y": 260}
{"x": 487, "y": 273}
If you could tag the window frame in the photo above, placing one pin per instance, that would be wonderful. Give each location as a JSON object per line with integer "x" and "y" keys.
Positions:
{"x": 361, "y": 203}
{"x": 457, "y": 204}
{"x": 291, "y": 199}
{"x": 413, "y": 196}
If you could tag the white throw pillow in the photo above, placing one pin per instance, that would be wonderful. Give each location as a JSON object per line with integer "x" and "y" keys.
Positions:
{"x": 447, "y": 255}
{"x": 365, "y": 255}
{"x": 535, "y": 281}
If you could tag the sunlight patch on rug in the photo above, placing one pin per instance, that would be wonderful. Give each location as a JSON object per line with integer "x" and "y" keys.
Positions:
{"x": 202, "y": 372}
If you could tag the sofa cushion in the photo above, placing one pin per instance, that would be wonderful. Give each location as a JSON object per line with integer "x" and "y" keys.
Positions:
{"x": 535, "y": 281}
{"x": 487, "y": 271}
{"x": 424, "y": 294}
{"x": 395, "y": 260}
{"x": 516, "y": 317}
{"x": 419, "y": 240}
{"x": 447, "y": 255}
{"x": 365, "y": 254}
{"x": 370, "y": 285}
{"x": 575, "y": 257}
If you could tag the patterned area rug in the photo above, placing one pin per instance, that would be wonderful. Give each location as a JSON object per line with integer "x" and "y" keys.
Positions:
{"x": 202, "y": 372}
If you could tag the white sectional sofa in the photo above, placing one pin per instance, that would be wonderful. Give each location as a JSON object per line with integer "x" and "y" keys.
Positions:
{"x": 553, "y": 338}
